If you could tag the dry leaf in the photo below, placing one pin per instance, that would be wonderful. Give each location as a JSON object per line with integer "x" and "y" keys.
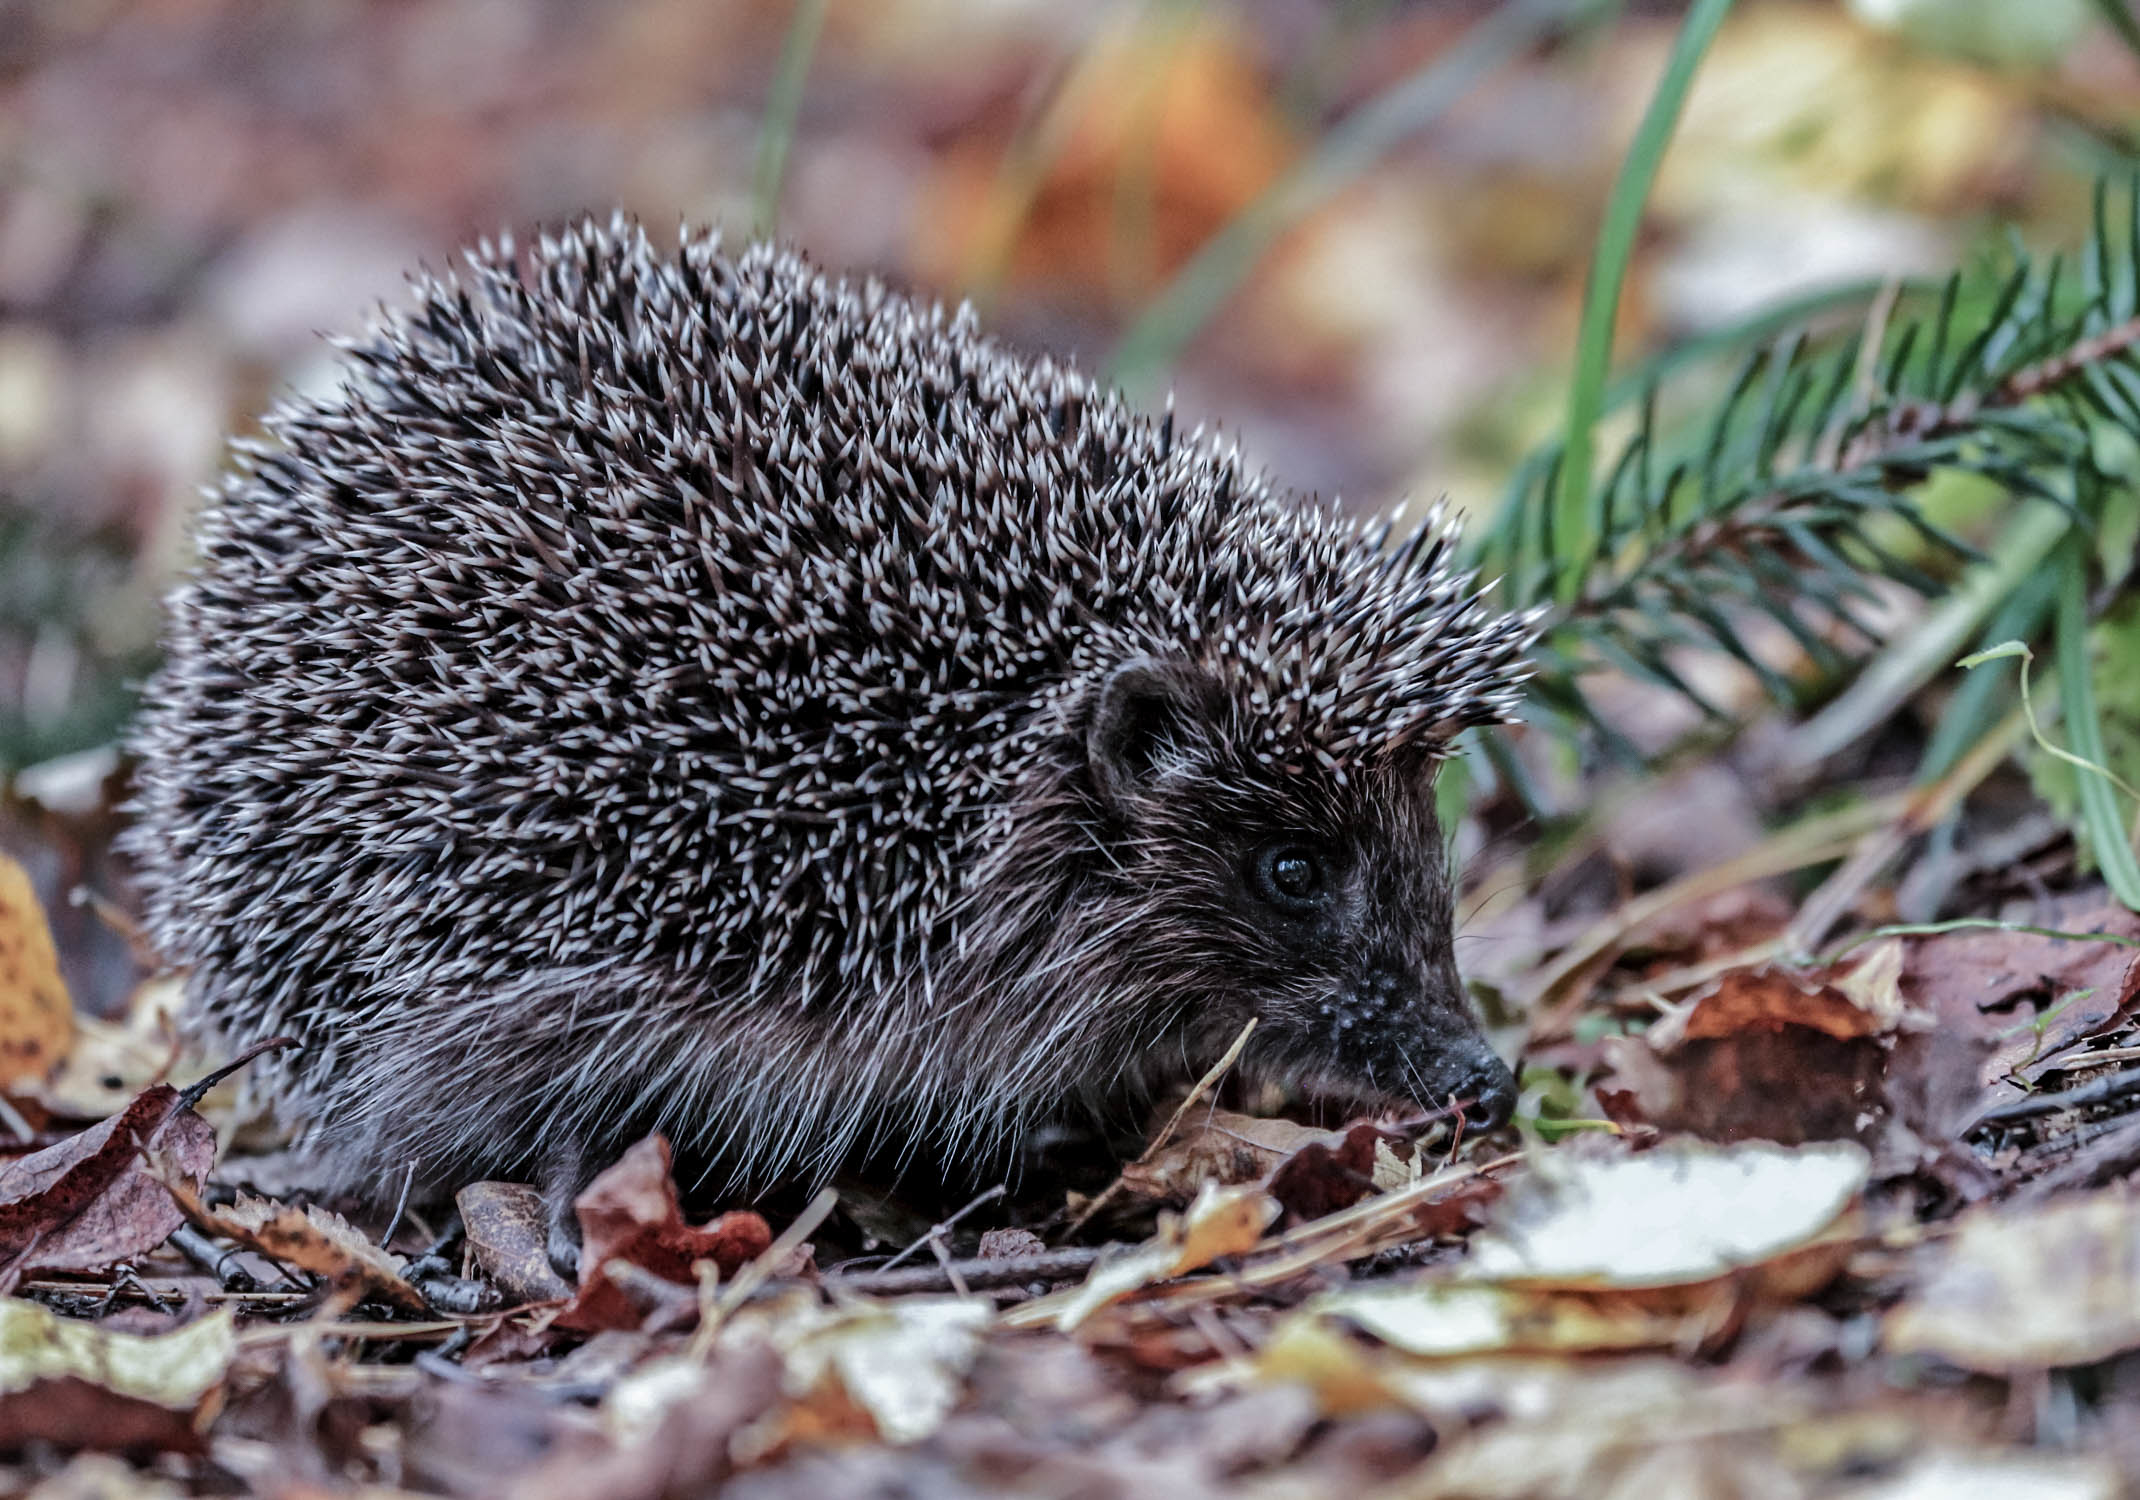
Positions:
{"x": 1215, "y": 1146}
{"x": 312, "y": 1239}
{"x": 630, "y": 1212}
{"x": 93, "y": 1200}
{"x": 509, "y": 1236}
{"x": 36, "y": 1017}
{"x": 77, "y": 1385}
{"x": 1768, "y": 1053}
{"x": 1682, "y": 1213}
{"x": 1990, "y": 983}
{"x": 1222, "y": 1221}
{"x": 2054, "y": 1284}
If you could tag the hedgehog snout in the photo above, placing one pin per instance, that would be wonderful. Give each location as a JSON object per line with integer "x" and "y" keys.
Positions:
{"x": 1393, "y": 1031}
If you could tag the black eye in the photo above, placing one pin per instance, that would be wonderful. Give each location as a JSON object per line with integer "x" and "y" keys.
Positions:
{"x": 1290, "y": 878}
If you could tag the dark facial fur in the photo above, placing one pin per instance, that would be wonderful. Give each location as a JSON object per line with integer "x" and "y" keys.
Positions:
{"x": 1317, "y": 905}
{"x": 688, "y": 693}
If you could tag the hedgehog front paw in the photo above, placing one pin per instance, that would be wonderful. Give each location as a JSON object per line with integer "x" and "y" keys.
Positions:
{"x": 564, "y": 1173}
{"x": 564, "y": 1245}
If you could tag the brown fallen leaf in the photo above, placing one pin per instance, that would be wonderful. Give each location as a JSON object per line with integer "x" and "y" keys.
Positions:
{"x": 93, "y": 1200}
{"x": 2050, "y": 1285}
{"x": 1215, "y": 1146}
{"x": 1993, "y": 983}
{"x": 36, "y": 1017}
{"x": 508, "y": 1234}
{"x": 1309, "y": 1170}
{"x": 630, "y": 1213}
{"x": 310, "y": 1238}
{"x": 1768, "y": 1053}
{"x": 77, "y": 1385}
{"x": 1336, "y": 1170}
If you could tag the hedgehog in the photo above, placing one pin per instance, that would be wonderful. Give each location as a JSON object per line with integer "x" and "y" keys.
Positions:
{"x": 668, "y": 690}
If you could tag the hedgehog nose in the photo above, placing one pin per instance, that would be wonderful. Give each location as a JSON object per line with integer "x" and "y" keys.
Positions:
{"x": 1490, "y": 1090}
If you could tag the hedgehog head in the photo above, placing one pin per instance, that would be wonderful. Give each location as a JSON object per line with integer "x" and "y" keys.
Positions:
{"x": 1265, "y": 816}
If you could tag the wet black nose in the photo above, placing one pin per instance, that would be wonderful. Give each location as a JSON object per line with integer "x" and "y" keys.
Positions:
{"x": 1491, "y": 1094}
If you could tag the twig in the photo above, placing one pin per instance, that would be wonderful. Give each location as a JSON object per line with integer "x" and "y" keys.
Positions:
{"x": 1918, "y": 421}
{"x": 1204, "y": 1085}
{"x": 208, "y": 1257}
{"x": 1372, "y": 1224}
{"x": 2096, "y": 1091}
{"x": 2059, "y": 368}
{"x": 1926, "y": 809}
{"x": 170, "y": 1296}
{"x": 199, "y": 1089}
{"x": 1808, "y": 843}
{"x": 936, "y": 1231}
{"x": 760, "y": 1270}
{"x": 949, "y": 1268}
{"x": 408, "y": 1180}
{"x": 2106, "y": 1159}
{"x": 979, "y": 1273}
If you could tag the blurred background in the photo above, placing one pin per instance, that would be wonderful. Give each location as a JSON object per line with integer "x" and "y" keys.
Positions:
{"x": 1405, "y": 194}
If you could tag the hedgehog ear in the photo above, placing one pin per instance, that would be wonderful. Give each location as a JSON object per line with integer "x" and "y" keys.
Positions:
{"x": 1141, "y": 709}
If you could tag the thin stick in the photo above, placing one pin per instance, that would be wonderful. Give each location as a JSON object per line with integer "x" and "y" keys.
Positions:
{"x": 1927, "y": 807}
{"x": 401, "y": 1204}
{"x": 1811, "y": 842}
{"x": 937, "y": 1230}
{"x": 1204, "y": 1086}
{"x": 756, "y": 1274}
{"x": 979, "y": 1273}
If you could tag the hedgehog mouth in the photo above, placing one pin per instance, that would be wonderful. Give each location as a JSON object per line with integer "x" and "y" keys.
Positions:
{"x": 1327, "y": 1093}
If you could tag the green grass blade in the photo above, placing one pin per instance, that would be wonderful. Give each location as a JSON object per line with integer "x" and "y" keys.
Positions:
{"x": 2108, "y": 833}
{"x": 776, "y": 132}
{"x": 2119, "y": 14}
{"x": 1577, "y": 529}
{"x": 1356, "y": 143}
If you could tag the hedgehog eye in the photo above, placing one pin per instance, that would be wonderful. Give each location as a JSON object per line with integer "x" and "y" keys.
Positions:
{"x": 1291, "y": 878}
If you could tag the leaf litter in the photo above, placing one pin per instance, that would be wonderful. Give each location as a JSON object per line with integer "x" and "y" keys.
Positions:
{"x": 1310, "y": 1308}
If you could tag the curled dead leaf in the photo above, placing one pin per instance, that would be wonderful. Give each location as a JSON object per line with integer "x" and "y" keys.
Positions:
{"x": 630, "y": 1213}
{"x": 509, "y": 1237}
{"x": 36, "y": 1017}
{"x": 102, "y": 1196}
{"x": 1769, "y": 1052}
{"x": 312, "y": 1239}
